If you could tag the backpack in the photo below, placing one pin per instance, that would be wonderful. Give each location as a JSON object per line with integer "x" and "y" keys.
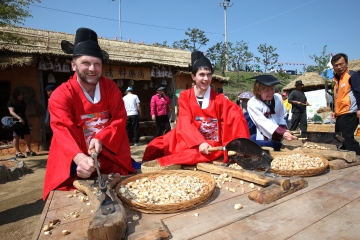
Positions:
{"x": 10, "y": 124}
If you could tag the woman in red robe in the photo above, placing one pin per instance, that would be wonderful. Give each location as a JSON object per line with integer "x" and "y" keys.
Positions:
{"x": 206, "y": 119}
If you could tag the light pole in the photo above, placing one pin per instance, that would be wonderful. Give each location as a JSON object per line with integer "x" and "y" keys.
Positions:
{"x": 226, "y": 4}
{"x": 119, "y": 19}
{"x": 304, "y": 45}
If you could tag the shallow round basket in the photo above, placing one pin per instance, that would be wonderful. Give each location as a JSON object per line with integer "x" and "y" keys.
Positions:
{"x": 172, "y": 207}
{"x": 268, "y": 148}
{"x": 154, "y": 165}
{"x": 300, "y": 172}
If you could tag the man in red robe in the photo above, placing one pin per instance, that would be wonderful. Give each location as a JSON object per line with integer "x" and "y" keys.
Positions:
{"x": 87, "y": 112}
{"x": 206, "y": 119}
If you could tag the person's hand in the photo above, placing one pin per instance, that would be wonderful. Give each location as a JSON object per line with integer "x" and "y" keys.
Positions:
{"x": 153, "y": 117}
{"x": 333, "y": 115}
{"x": 85, "y": 165}
{"x": 288, "y": 136}
{"x": 203, "y": 148}
{"x": 22, "y": 121}
{"x": 96, "y": 144}
{"x": 358, "y": 114}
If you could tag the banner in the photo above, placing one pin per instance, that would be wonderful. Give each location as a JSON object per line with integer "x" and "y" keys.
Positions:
{"x": 119, "y": 72}
{"x": 316, "y": 99}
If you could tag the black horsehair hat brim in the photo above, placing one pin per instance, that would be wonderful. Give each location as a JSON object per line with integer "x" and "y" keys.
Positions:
{"x": 268, "y": 80}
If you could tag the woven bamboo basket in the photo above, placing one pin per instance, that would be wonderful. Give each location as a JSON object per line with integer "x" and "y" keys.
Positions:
{"x": 154, "y": 165}
{"x": 300, "y": 172}
{"x": 172, "y": 207}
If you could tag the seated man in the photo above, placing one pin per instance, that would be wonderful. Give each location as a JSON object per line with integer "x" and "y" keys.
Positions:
{"x": 87, "y": 112}
{"x": 206, "y": 119}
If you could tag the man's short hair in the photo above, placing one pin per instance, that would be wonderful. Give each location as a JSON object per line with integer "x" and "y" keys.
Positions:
{"x": 337, "y": 57}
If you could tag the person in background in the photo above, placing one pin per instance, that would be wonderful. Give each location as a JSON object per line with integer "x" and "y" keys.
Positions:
{"x": 159, "y": 109}
{"x": 298, "y": 102}
{"x": 267, "y": 111}
{"x": 287, "y": 106}
{"x": 346, "y": 101}
{"x": 244, "y": 98}
{"x": 87, "y": 114}
{"x": 329, "y": 100}
{"x": 206, "y": 119}
{"x": 49, "y": 90}
{"x": 133, "y": 111}
{"x": 221, "y": 91}
{"x": 17, "y": 109}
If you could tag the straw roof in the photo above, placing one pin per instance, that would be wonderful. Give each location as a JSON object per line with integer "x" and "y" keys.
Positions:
{"x": 215, "y": 77}
{"x": 354, "y": 65}
{"x": 44, "y": 42}
{"x": 311, "y": 80}
{"x": 15, "y": 60}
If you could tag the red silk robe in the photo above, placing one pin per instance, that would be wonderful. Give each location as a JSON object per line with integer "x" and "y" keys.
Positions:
{"x": 66, "y": 106}
{"x": 181, "y": 145}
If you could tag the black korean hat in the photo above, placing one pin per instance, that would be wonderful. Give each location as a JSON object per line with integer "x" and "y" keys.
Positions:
{"x": 268, "y": 80}
{"x": 199, "y": 60}
{"x": 86, "y": 43}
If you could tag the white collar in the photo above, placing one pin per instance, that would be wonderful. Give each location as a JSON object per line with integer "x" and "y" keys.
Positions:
{"x": 206, "y": 99}
{"x": 97, "y": 96}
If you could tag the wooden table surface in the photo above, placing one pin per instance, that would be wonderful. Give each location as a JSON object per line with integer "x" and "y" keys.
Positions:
{"x": 329, "y": 208}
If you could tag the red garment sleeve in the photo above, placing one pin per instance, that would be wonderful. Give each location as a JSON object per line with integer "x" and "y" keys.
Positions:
{"x": 233, "y": 122}
{"x": 63, "y": 124}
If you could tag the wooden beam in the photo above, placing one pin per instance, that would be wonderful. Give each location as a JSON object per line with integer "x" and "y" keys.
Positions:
{"x": 251, "y": 176}
{"x": 271, "y": 194}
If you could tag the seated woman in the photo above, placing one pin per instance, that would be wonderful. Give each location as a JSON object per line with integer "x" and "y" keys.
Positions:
{"x": 206, "y": 119}
{"x": 267, "y": 111}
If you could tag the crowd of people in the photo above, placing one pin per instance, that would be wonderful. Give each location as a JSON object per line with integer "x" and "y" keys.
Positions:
{"x": 88, "y": 113}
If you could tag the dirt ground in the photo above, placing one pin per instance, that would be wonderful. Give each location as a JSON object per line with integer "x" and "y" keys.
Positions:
{"x": 21, "y": 201}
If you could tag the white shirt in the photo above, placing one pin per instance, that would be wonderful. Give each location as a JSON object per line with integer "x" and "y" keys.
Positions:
{"x": 266, "y": 126}
{"x": 130, "y": 102}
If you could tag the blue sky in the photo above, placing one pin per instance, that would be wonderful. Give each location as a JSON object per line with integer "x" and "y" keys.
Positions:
{"x": 279, "y": 23}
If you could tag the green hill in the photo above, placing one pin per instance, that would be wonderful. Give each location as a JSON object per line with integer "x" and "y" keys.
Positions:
{"x": 240, "y": 82}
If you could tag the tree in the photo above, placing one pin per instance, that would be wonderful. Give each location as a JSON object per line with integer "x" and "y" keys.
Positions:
{"x": 240, "y": 56}
{"x": 217, "y": 54}
{"x": 13, "y": 13}
{"x": 321, "y": 62}
{"x": 164, "y": 44}
{"x": 196, "y": 36}
{"x": 269, "y": 56}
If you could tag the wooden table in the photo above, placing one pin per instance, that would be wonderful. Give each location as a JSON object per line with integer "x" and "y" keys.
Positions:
{"x": 329, "y": 208}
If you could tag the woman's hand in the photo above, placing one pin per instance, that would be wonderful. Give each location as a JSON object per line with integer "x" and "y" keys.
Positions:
{"x": 153, "y": 117}
{"x": 22, "y": 121}
{"x": 203, "y": 148}
{"x": 288, "y": 136}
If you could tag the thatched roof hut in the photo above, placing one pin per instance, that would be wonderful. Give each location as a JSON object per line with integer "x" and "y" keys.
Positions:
{"x": 311, "y": 81}
{"x": 355, "y": 65}
{"x": 42, "y": 42}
